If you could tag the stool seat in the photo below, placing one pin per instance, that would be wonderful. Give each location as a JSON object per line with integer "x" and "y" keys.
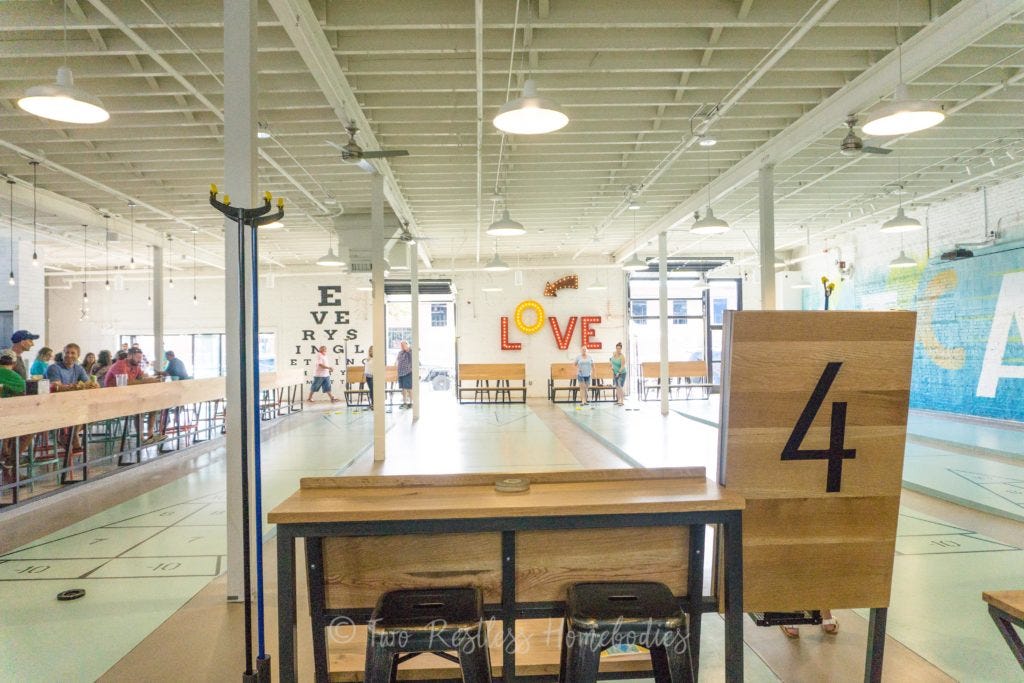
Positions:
{"x": 407, "y": 610}
{"x": 601, "y": 615}
{"x": 594, "y": 606}
{"x": 440, "y": 620}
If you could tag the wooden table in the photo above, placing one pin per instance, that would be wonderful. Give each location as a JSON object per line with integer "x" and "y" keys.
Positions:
{"x": 1006, "y": 609}
{"x": 564, "y": 502}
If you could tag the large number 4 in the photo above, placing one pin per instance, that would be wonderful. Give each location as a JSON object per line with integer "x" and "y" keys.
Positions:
{"x": 835, "y": 453}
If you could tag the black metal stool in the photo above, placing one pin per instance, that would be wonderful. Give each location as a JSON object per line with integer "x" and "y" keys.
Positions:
{"x": 600, "y": 615}
{"x": 438, "y": 620}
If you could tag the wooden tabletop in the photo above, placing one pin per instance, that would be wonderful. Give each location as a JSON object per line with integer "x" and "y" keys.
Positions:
{"x": 465, "y": 497}
{"x": 1011, "y": 602}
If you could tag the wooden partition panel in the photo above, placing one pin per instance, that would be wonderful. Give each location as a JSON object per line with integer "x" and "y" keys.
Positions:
{"x": 676, "y": 368}
{"x": 563, "y": 371}
{"x": 491, "y": 371}
{"x": 358, "y": 570}
{"x": 813, "y": 428}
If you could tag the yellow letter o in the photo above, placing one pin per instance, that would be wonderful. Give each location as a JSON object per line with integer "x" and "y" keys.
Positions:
{"x": 529, "y": 305}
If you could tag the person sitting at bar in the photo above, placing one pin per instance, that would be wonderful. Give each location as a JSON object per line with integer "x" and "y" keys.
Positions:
{"x": 41, "y": 362}
{"x": 11, "y": 383}
{"x": 175, "y": 367}
{"x": 68, "y": 374}
{"x": 21, "y": 341}
{"x": 103, "y": 363}
{"x": 89, "y": 362}
{"x": 131, "y": 366}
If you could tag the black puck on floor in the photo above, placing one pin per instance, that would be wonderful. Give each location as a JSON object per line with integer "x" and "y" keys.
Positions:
{"x": 72, "y": 594}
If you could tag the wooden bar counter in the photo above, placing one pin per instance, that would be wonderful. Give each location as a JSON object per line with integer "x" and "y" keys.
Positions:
{"x": 22, "y": 415}
{"x": 366, "y": 535}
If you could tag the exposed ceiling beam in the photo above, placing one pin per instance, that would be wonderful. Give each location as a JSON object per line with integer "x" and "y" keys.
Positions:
{"x": 307, "y": 35}
{"x": 965, "y": 23}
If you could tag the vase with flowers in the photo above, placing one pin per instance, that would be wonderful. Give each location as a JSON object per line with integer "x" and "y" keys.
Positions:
{"x": 829, "y": 287}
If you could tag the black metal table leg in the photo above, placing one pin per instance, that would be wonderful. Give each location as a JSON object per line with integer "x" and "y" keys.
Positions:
{"x": 876, "y": 644}
{"x": 1005, "y": 627}
{"x": 733, "y": 533}
{"x": 695, "y": 592}
{"x": 286, "y": 604}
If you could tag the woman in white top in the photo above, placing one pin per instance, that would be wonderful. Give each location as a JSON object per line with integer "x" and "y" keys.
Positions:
{"x": 584, "y": 368}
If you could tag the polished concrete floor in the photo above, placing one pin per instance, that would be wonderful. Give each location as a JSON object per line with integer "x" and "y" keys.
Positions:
{"x": 152, "y": 565}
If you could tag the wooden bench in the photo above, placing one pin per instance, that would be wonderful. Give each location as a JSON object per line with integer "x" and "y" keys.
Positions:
{"x": 358, "y": 394}
{"x": 682, "y": 375}
{"x": 1007, "y": 609}
{"x": 492, "y": 382}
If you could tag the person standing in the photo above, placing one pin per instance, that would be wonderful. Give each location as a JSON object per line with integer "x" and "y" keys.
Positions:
{"x": 584, "y": 369}
{"x": 404, "y": 369}
{"x": 41, "y": 362}
{"x": 21, "y": 341}
{"x": 368, "y": 374}
{"x": 321, "y": 375}
{"x": 618, "y": 362}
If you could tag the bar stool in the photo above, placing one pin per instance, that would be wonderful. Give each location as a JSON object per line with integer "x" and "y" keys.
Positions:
{"x": 435, "y": 620}
{"x": 600, "y": 615}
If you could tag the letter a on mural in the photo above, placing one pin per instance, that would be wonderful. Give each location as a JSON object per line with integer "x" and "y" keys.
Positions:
{"x": 1009, "y": 307}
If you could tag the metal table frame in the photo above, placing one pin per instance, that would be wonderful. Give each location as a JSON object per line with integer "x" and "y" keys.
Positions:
{"x": 1005, "y": 623}
{"x": 509, "y": 610}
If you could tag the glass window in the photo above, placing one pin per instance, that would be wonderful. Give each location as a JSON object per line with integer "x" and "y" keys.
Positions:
{"x": 638, "y": 309}
{"x": 438, "y": 315}
{"x": 678, "y": 310}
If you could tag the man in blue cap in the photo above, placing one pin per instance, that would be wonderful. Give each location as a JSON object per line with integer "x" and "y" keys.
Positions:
{"x": 21, "y": 341}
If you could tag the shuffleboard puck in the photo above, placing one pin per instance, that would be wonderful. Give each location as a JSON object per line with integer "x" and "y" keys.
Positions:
{"x": 512, "y": 485}
{"x": 72, "y": 594}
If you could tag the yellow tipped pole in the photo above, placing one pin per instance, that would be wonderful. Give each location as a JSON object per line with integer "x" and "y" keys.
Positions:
{"x": 280, "y": 202}
{"x": 267, "y": 196}
{"x": 213, "y": 189}
{"x": 227, "y": 200}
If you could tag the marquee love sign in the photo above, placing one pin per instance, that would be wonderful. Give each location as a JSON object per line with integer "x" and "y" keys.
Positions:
{"x": 529, "y": 319}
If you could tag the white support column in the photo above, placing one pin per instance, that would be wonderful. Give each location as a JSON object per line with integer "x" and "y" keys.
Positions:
{"x": 663, "y": 318}
{"x": 412, "y": 253}
{"x": 380, "y": 332}
{"x": 158, "y": 305}
{"x": 240, "y": 149}
{"x": 766, "y": 208}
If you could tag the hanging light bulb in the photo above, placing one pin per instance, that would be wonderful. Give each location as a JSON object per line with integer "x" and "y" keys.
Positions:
{"x": 10, "y": 280}
{"x": 131, "y": 211}
{"x": 35, "y": 256}
{"x": 195, "y": 300}
{"x": 62, "y": 101}
{"x": 149, "y": 300}
{"x": 106, "y": 285}
{"x": 530, "y": 114}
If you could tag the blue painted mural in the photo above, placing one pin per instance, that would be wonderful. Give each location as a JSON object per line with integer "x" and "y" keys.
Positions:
{"x": 969, "y": 354}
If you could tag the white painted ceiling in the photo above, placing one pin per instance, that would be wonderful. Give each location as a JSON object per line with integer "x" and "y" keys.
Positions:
{"x": 428, "y": 76}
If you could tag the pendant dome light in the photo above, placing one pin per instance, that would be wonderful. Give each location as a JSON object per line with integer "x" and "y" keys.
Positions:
{"x": 505, "y": 226}
{"x": 709, "y": 224}
{"x": 402, "y": 262}
{"x": 496, "y": 265}
{"x": 902, "y": 261}
{"x": 35, "y": 255}
{"x": 10, "y": 280}
{"x": 702, "y": 283}
{"x": 634, "y": 263}
{"x": 901, "y": 222}
{"x": 903, "y": 115}
{"x": 62, "y": 101}
{"x": 330, "y": 259}
{"x": 530, "y": 114}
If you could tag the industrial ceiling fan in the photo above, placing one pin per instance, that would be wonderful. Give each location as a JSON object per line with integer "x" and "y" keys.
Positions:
{"x": 352, "y": 153}
{"x": 405, "y": 236}
{"x": 852, "y": 144}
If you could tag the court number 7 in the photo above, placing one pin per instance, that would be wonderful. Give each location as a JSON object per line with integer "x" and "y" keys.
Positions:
{"x": 835, "y": 453}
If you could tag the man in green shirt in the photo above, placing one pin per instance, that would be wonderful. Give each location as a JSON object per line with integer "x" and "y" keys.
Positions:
{"x": 11, "y": 383}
